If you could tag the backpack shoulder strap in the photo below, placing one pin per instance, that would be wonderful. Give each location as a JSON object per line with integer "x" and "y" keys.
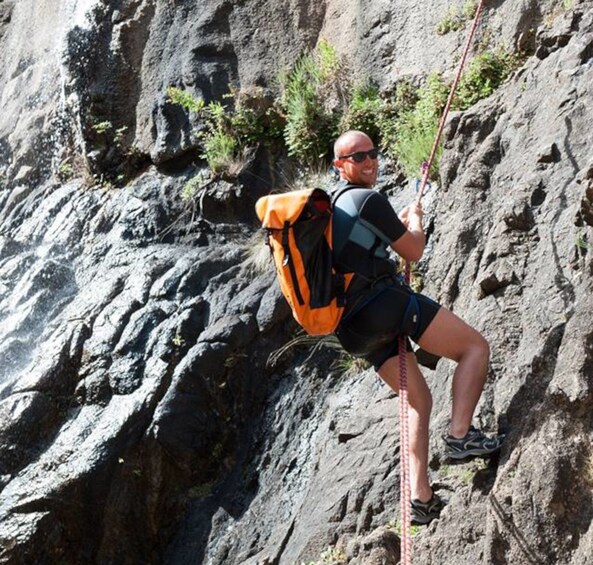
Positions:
{"x": 341, "y": 191}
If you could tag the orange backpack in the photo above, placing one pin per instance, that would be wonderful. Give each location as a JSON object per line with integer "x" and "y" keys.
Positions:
{"x": 299, "y": 230}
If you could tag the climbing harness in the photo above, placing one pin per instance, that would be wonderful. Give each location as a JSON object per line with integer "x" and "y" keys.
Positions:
{"x": 405, "y": 502}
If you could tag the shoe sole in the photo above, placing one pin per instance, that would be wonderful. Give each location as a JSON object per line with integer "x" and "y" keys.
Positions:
{"x": 424, "y": 521}
{"x": 473, "y": 453}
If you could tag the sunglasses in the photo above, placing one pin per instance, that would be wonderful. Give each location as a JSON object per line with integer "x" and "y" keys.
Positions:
{"x": 360, "y": 156}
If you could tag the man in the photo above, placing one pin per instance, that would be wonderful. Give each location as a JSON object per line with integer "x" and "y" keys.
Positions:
{"x": 379, "y": 308}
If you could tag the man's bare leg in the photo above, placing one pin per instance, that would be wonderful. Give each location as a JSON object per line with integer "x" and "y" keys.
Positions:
{"x": 449, "y": 336}
{"x": 420, "y": 402}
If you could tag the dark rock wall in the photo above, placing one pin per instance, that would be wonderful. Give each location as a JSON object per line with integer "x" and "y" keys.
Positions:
{"x": 79, "y": 65}
{"x": 139, "y": 422}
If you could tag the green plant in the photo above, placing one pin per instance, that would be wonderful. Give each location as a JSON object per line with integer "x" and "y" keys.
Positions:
{"x": 185, "y": 99}
{"x": 217, "y": 451}
{"x": 102, "y": 127}
{"x": 331, "y": 556}
{"x": 485, "y": 73}
{"x": 220, "y": 143}
{"x": 329, "y": 65}
{"x": 397, "y": 526}
{"x": 412, "y": 136}
{"x": 394, "y": 107}
{"x": 232, "y": 128}
{"x": 220, "y": 151}
{"x": 408, "y": 126}
{"x": 317, "y": 102}
{"x": 469, "y": 9}
{"x": 463, "y": 473}
{"x": 101, "y": 181}
{"x": 119, "y": 134}
{"x": 255, "y": 119}
{"x": 406, "y": 96}
{"x": 194, "y": 185}
{"x": 178, "y": 341}
{"x": 312, "y": 93}
{"x": 202, "y": 490}
{"x": 581, "y": 242}
{"x": 246, "y": 127}
{"x": 231, "y": 361}
{"x": 364, "y": 111}
{"x": 65, "y": 170}
{"x": 113, "y": 167}
{"x": 414, "y": 143}
{"x": 455, "y": 20}
{"x": 452, "y": 21}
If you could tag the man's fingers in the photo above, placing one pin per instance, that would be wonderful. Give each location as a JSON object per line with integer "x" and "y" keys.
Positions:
{"x": 416, "y": 208}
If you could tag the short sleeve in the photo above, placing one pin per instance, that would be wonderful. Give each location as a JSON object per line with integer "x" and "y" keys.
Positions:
{"x": 377, "y": 214}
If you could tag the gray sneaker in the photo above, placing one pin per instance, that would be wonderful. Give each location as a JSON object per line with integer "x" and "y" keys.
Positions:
{"x": 473, "y": 444}
{"x": 425, "y": 512}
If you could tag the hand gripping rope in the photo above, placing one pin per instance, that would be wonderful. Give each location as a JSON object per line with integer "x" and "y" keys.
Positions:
{"x": 405, "y": 502}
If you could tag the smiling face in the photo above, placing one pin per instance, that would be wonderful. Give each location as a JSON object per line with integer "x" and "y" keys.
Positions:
{"x": 363, "y": 174}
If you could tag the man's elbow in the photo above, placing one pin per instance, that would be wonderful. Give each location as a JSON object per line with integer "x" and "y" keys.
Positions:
{"x": 418, "y": 248}
{"x": 416, "y": 255}
{"x": 410, "y": 247}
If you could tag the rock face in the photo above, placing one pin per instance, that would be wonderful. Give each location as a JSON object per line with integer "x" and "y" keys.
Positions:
{"x": 139, "y": 420}
{"x": 79, "y": 65}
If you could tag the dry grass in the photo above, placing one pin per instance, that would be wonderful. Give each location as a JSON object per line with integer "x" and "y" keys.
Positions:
{"x": 315, "y": 177}
{"x": 258, "y": 259}
{"x": 314, "y": 342}
{"x": 331, "y": 556}
{"x": 351, "y": 366}
{"x": 557, "y": 11}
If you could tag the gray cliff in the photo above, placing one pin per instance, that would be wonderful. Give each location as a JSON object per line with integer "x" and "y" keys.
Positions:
{"x": 139, "y": 419}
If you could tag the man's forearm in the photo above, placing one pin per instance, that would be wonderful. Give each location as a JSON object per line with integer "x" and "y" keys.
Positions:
{"x": 416, "y": 229}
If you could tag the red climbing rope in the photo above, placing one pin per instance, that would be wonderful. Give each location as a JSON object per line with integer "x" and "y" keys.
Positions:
{"x": 404, "y": 450}
{"x": 435, "y": 145}
{"x": 405, "y": 502}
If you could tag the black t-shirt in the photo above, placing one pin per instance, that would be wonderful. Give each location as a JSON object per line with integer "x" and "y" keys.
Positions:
{"x": 364, "y": 225}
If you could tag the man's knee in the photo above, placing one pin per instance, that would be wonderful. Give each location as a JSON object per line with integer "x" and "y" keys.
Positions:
{"x": 475, "y": 344}
{"x": 482, "y": 346}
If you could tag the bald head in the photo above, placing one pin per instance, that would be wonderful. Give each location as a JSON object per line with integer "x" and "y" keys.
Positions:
{"x": 349, "y": 139}
{"x": 355, "y": 158}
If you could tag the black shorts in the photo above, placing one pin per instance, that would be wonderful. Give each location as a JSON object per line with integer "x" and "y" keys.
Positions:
{"x": 371, "y": 328}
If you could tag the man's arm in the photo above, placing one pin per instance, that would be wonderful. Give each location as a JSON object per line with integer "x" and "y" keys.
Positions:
{"x": 410, "y": 246}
